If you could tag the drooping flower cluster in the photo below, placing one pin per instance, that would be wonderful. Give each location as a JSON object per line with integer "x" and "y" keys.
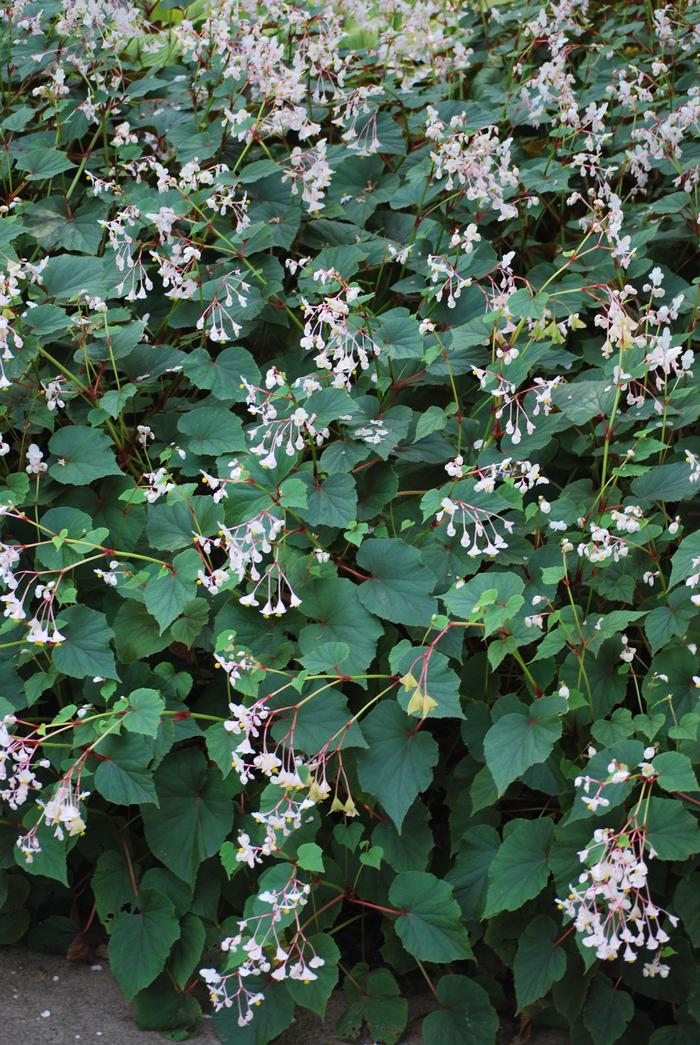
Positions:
{"x": 478, "y": 161}
{"x": 20, "y": 759}
{"x": 511, "y": 402}
{"x": 276, "y": 591}
{"x": 236, "y": 663}
{"x": 245, "y": 547}
{"x": 17, "y": 771}
{"x": 444, "y": 273}
{"x": 261, "y": 939}
{"x": 618, "y": 773}
{"x": 341, "y": 340}
{"x": 309, "y": 169}
{"x": 216, "y": 318}
{"x": 602, "y": 544}
{"x": 482, "y": 530}
{"x": 41, "y": 627}
{"x": 274, "y": 434}
{"x": 611, "y": 904}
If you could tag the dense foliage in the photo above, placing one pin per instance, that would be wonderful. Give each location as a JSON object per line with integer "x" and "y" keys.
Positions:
{"x": 348, "y": 350}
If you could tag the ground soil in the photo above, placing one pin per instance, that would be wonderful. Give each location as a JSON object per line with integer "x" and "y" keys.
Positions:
{"x": 46, "y": 1000}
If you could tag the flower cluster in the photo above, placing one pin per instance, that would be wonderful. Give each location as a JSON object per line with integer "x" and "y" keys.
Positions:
{"x": 273, "y": 433}
{"x": 479, "y": 162}
{"x": 264, "y": 952}
{"x": 482, "y": 530}
{"x": 342, "y": 342}
{"x": 216, "y": 318}
{"x": 17, "y": 773}
{"x": 41, "y": 627}
{"x": 611, "y": 904}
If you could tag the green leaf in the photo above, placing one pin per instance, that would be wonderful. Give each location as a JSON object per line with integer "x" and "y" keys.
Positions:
{"x": 50, "y": 861}
{"x": 310, "y": 857}
{"x": 122, "y": 776}
{"x": 399, "y": 587}
{"x": 293, "y": 493}
{"x": 272, "y": 1017}
{"x": 140, "y": 942}
{"x": 372, "y": 857}
{"x": 43, "y": 163}
{"x": 83, "y": 455}
{"x": 177, "y": 891}
{"x": 162, "y": 1007}
{"x": 411, "y": 849}
{"x": 398, "y": 764}
{"x": 15, "y": 490}
{"x": 14, "y": 923}
{"x": 136, "y": 633}
{"x": 19, "y": 119}
{"x": 338, "y": 616}
{"x": 194, "y": 615}
{"x": 400, "y": 337}
{"x": 516, "y": 742}
{"x": 675, "y": 772}
{"x": 433, "y": 420}
{"x": 333, "y": 502}
{"x": 211, "y": 430}
{"x": 166, "y": 595}
{"x": 520, "y": 870}
{"x": 221, "y": 374}
{"x": 662, "y": 623}
{"x": 466, "y": 1016}
{"x": 483, "y": 791}
{"x": 374, "y": 999}
{"x": 539, "y": 960}
{"x": 145, "y": 709}
{"x": 195, "y": 814}
{"x": 53, "y": 935}
{"x": 685, "y": 905}
{"x": 581, "y": 401}
{"x": 493, "y": 596}
{"x": 682, "y": 561}
{"x": 66, "y": 276}
{"x": 620, "y": 727}
{"x": 626, "y": 752}
{"x": 85, "y": 651}
{"x": 678, "y": 1034}
{"x": 169, "y": 524}
{"x": 327, "y": 656}
{"x": 429, "y": 926}
{"x": 111, "y": 885}
{"x": 469, "y": 875}
{"x": 607, "y": 1012}
{"x": 672, "y": 830}
{"x": 220, "y": 747}
{"x": 665, "y": 482}
{"x": 679, "y": 666}
{"x": 188, "y": 949}
{"x": 258, "y": 170}
{"x": 53, "y": 223}
{"x": 320, "y": 721}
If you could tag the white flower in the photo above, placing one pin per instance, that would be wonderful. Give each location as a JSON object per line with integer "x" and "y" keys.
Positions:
{"x": 35, "y": 460}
